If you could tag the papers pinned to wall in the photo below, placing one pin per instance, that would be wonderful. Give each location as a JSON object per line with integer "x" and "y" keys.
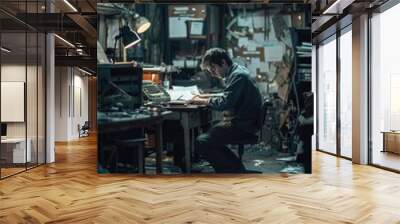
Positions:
{"x": 273, "y": 51}
{"x": 258, "y": 38}
{"x": 179, "y": 63}
{"x": 188, "y": 63}
{"x": 251, "y": 45}
{"x": 264, "y": 67}
{"x": 253, "y": 65}
{"x": 191, "y": 63}
{"x": 196, "y": 28}
{"x": 245, "y": 21}
{"x": 243, "y": 41}
{"x": 177, "y": 27}
{"x": 259, "y": 22}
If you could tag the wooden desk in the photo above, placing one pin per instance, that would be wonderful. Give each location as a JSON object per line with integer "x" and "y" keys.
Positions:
{"x": 391, "y": 141}
{"x": 109, "y": 124}
{"x": 191, "y": 118}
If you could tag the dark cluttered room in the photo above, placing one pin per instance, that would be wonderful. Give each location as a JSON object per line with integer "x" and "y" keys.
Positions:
{"x": 204, "y": 88}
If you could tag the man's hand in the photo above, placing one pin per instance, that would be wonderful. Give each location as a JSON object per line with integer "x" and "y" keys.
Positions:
{"x": 204, "y": 96}
{"x": 199, "y": 100}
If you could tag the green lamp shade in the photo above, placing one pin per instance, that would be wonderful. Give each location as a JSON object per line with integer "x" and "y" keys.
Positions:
{"x": 129, "y": 37}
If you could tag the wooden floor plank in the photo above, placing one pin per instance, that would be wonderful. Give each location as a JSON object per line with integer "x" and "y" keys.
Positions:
{"x": 71, "y": 191}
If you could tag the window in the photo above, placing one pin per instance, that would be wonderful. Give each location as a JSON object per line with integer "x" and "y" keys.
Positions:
{"x": 385, "y": 86}
{"x": 346, "y": 93}
{"x": 327, "y": 96}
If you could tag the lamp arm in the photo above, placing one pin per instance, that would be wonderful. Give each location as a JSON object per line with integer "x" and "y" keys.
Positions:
{"x": 115, "y": 46}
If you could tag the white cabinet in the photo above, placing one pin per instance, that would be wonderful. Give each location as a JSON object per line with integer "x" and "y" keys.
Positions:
{"x": 16, "y": 147}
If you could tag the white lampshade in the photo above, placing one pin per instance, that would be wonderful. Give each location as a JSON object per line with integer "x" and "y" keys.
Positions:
{"x": 142, "y": 24}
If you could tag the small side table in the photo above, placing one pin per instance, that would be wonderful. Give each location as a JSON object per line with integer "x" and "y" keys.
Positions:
{"x": 391, "y": 141}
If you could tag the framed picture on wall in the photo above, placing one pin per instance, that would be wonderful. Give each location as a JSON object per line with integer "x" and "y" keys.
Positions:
{"x": 12, "y": 101}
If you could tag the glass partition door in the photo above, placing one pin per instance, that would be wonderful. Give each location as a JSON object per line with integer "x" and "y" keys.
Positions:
{"x": 14, "y": 153}
{"x": 22, "y": 77}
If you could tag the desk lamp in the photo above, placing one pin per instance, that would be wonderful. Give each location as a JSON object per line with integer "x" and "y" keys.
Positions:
{"x": 129, "y": 38}
{"x": 141, "y": 24}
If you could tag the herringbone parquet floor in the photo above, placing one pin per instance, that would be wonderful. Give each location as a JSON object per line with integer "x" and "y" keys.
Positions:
{"x": 70, "y": 191}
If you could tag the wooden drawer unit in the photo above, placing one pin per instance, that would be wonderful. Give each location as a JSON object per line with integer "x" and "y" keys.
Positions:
{"x": 391, "y": 142}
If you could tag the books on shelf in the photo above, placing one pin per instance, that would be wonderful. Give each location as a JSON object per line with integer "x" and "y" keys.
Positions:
{"x": 304, "y": 69}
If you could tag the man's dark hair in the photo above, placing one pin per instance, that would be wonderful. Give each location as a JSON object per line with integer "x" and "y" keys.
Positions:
{"x": 215, "y": 56}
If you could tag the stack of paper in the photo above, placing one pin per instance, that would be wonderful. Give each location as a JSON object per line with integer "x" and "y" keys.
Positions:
{"x": 183, "y": 93}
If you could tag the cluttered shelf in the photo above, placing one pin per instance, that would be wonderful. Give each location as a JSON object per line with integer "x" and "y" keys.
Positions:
{"x": 303, "y": 52}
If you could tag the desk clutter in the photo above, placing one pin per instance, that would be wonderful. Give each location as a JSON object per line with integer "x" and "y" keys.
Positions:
{"x": 143, "y": 112}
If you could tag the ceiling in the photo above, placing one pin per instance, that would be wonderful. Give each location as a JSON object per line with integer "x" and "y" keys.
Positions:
{"x": 76, "y": 24}
{"x": 330, "y": 15}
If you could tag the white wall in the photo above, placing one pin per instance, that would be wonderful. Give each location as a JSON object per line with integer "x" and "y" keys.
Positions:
{"x": 13, "y": 72}
{"x": 81, "y": 84}
{"x": 61, "y": 103}
{"x": 71, "y": 93}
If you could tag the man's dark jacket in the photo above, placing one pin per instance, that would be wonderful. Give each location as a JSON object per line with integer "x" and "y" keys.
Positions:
{"x": 241, "y": 97}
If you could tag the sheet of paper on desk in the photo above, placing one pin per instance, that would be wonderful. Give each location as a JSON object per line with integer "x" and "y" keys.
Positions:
{"x": 178, "y": 95}
{"x": 193, "y": 88}
{"x": 182, "y": 95}
{"x": 183, "y": 92}
{"x": 212, "y": 94}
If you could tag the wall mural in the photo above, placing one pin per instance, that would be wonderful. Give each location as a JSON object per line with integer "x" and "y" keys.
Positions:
{"x": 204, "y": 88}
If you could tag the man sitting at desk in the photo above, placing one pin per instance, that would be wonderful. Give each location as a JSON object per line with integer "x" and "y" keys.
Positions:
{"x": 241, "y": 104}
